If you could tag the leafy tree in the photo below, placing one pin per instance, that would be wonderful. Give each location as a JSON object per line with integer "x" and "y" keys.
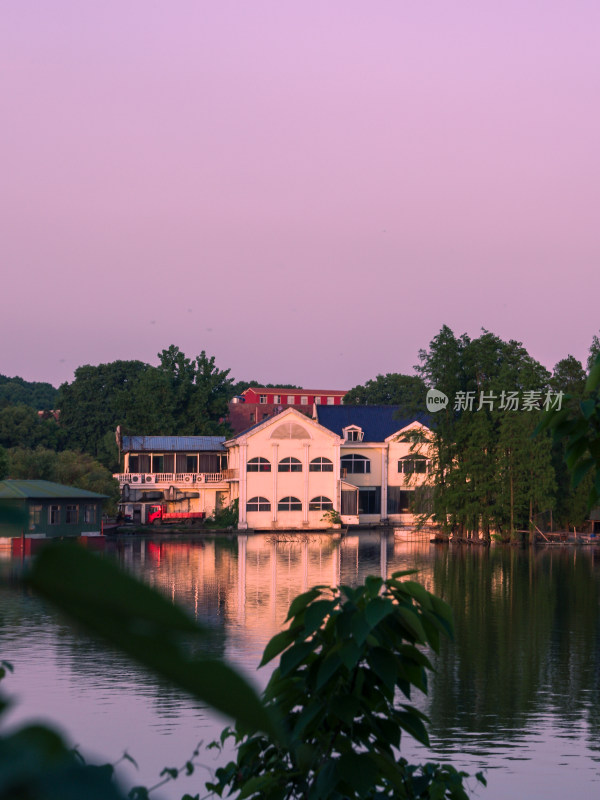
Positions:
{"x": 181, "y": 396}
{"x": 568, "y": 376}
{"x": 345, "y": 657}
{"x": 241, "y": 386}
{"x": 594, "y": 352}
{"x": 68, "y": 467}
{"x": 579, "y": 428}
{"x": 20, "y": 426}
{"x": 3, "y": 463}
{"x": 16, "y": 391}
{"x": 97, "y": 401}
{"x": 406, "y": 391}
{"x": 199, "y": 390}
{"x": 490, "y": 475}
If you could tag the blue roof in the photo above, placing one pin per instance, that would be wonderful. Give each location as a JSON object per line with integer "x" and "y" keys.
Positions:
{"x": 173, "y": 443}
{"x": 376, "y": 422}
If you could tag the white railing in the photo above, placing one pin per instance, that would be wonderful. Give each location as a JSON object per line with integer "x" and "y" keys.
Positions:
{"x": 145, "y": 478}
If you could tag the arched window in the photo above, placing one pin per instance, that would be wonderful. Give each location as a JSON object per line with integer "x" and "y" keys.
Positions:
{"x": 258, "y": 464}
{"x": 289, "y": 504}
{"x": 320, "y": 504}
{"x": 355, "y": 464}
{"x": 411, "y": 464}
{"x": 320, "y": 465}
{"x": 258, "y": 504}
{"x": 290, "y": 465}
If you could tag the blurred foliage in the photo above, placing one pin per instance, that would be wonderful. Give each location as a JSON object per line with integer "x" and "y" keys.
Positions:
{"x": 344, "y": 658}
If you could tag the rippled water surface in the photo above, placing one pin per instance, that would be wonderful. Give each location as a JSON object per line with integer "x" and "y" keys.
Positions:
{"x": 517, "y": 694}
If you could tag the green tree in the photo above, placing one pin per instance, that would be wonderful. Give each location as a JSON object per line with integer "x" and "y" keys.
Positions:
{"x": 21, "y": 426}
{"x": 487, "y": 468}
{"x": 97, "y": 401}
{"x": 16, "y": 391}
{"x": 578, "y": 427}
{"x": 200, "y": 392}
{"x": 69, "y": 467}
{"x": 3, "y": 463}
{"x": 406, "y": 391}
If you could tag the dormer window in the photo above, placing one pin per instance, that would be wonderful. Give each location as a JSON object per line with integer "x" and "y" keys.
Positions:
{"x": 353, "y": 433}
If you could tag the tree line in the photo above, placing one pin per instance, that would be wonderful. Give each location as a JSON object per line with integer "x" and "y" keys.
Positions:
{"x": 490, "y": 473}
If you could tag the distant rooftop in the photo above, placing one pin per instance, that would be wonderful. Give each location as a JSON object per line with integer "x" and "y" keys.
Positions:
{"x": 172, "y": 443}
{"x": 376, "y": 422}
{"x": 284, "y": 391}
{"x": 41, "y": 490}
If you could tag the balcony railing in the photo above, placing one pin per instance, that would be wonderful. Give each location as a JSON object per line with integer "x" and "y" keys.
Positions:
{"x": 145, "y": 478}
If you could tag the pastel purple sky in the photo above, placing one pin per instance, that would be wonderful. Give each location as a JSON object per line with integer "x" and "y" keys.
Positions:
{"x": 307, "y": 191}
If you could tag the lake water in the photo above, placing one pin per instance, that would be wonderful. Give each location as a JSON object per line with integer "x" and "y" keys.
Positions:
{"x": 516, "y": 694}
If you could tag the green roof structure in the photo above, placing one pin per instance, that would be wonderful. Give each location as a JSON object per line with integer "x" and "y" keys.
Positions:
{"x": 43, "y": 490}
{"x": 43, "y": 509}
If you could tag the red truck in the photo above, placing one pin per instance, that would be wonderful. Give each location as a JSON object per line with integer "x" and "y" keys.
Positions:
{"x": 158, "y": 516}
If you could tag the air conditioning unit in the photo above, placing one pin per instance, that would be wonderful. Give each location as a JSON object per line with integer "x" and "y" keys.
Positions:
{"x": 136, "y": 479}
{"x": 200, "y": 477}
{"x": 187, "y": 479}
{"x": 150, "y": 479}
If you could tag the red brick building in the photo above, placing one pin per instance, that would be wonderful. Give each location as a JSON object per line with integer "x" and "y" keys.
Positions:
{"x": 259, "y": 403}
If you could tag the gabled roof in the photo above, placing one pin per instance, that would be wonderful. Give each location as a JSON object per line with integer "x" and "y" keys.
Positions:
{"x": 44, "y": 490}
{"x": 376, "y": 422}
{"x": 172, "y": 443}
{"x": 278, "y": 418}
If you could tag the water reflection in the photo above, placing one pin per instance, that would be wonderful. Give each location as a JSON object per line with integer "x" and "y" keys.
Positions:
{"x": 517, "y": 692}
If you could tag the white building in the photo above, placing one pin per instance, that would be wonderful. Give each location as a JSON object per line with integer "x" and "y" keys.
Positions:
{"x": 361, "y": 461}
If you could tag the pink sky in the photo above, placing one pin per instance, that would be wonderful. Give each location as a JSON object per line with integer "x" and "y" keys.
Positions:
{"x": 307, "y": 191}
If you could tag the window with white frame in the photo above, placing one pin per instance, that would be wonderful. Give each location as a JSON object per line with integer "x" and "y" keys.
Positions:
{"x": 291, "y": 399}
{"x": 317, "y": 401}
{"x": 53, "y": 515}
{"x": 289, "y": 504}
{"x": 263, "y": 398}
{"x": 290, "y": 464}
{"x": 90, "y": 514}
{"x": 320, "y": 504}
{"x": 355, "y": 464}
{"x": 320, "y": 465}
{"x": 258, "y": 464}
{"x": 353, "y": 433}
{"x": 277, "y": 398}
{"x": 304, "y": 400}
{"x": 258, "y": 504}
{"x": 330, "y": 401}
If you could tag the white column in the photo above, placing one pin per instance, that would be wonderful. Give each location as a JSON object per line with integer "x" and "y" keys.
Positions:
{"x": 275, "y": 468}
{"x": 384, "y": 482}
{"x": 337, "y": 486}
{"x": 305, "y": 469}
{"x": 243, "y": 524}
